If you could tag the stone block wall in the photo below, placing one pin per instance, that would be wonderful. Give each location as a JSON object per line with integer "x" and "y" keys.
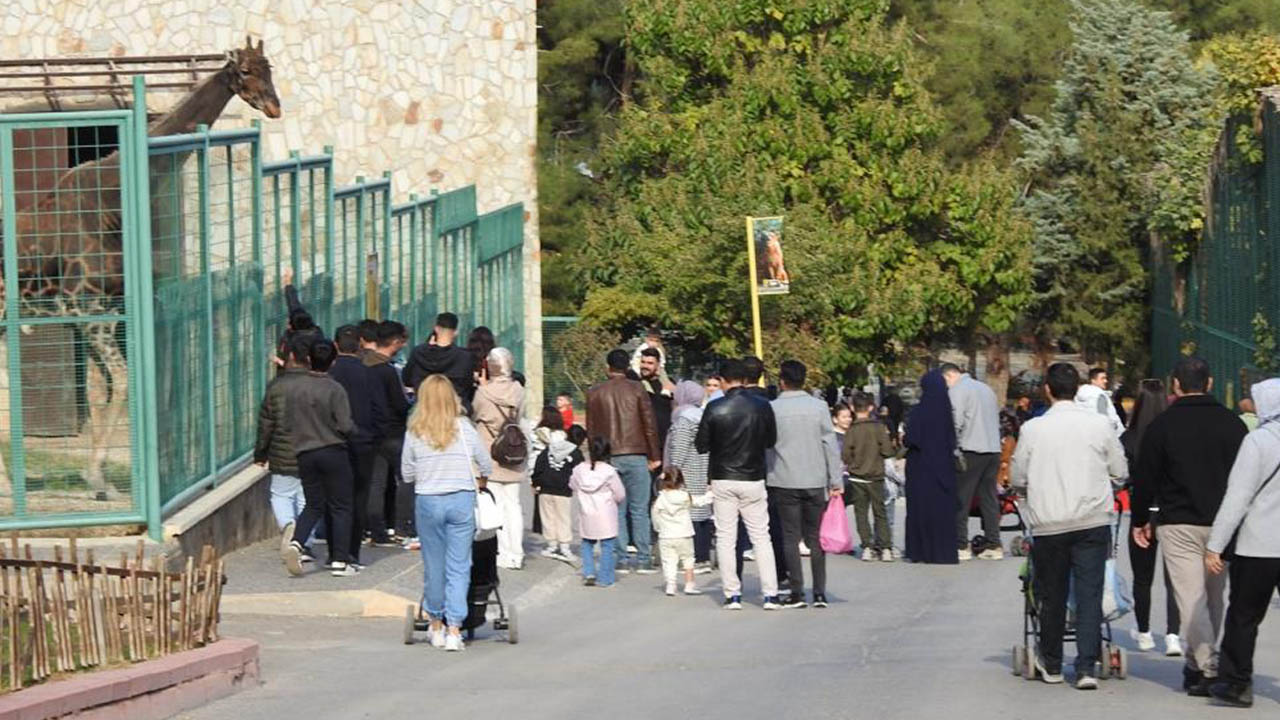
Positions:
{"x": 443, "y": 93}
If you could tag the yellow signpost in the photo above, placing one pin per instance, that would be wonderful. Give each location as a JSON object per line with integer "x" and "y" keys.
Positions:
{"x": 767, "y": 270}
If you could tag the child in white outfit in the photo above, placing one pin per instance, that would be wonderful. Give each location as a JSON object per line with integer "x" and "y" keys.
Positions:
{"x": 675, "y": 528}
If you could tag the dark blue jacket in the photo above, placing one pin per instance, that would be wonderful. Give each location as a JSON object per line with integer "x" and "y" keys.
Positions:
{"x": 363, "y": 395}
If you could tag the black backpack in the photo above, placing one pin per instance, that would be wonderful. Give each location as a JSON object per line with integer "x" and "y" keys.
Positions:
{"x": 510, "y": 446}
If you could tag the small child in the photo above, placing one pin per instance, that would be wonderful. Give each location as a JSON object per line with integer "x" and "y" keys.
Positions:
{"x": 599, "y": 491}
{"x": 674, "y": 524}
{"x": 551, "y": 472}
{"x": 866, "y": 445}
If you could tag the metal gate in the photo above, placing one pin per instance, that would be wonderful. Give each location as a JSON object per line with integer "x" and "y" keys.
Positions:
{"x": 71, "y": 426}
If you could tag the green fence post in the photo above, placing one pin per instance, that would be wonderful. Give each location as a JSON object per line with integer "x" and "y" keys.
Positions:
{"x": 295, "y": 223}
{"x": 210, "y": 405}
{"x": 17, "y": 453}
{"x": 329, "y": 234}
{"x": 143, "y": 316}
{"x": 259, "y": 334}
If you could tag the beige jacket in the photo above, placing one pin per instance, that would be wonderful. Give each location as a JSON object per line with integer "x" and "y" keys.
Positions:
{"x": 497, "y": 402}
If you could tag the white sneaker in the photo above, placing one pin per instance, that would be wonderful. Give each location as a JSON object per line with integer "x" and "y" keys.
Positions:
{"x": 868, "y": 554}
{"x": 436, "y": 638}
{"x": 549, "y": 552}
{"x": 887, "y": 556}
{"x": 965, "y": 554}
{"x": 1143, "y": 639}
{"x": 453, "y": 643}
{"x": 646, "y": 571}
{"x": 691, "y": 589}
{"x": 992, "y": 553}
{"x": 286, "y": 537}
{"x": 412, "y": 544}
{"x": 1086, "y": 682}
{"x": 749, "y": 554}
{"x": 292, "y": 557}
{"x": 702, "y": 569}
{"x": 671, "y": 589}
{"x": 1050, "y": 678}
{"x": 804, "y": 549}
{"x": 1172, "y": 645}
{"x": 631, "y": 550}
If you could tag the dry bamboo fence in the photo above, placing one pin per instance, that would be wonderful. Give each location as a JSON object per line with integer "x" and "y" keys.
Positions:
{"x": 76, "y": 613}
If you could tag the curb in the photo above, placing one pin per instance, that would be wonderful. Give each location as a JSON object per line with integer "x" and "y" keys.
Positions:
{"x": 370, "y": 603}
{"x": 319, "y": 603}
{"x": 149, "y": 690}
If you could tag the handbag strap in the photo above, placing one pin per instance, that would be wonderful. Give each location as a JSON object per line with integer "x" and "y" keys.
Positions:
{"x": 466, "y": 446}
{"x": 1258, "y": 492}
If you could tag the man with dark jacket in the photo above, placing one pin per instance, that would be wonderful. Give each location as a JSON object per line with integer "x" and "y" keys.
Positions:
{"x": 274, "y": 446}
{"x": 1183, "y": 464}
{"x": 619, "y": 410}
{"x": 388, "y": 501}
{"x": 300, "y": 322}
{"x": 319, "y": 426}
{"x": 735, "y": 432}
{"x": 442, "y": 356}
{"x": 660, "y": 393}
{"x": 366, "y": 413}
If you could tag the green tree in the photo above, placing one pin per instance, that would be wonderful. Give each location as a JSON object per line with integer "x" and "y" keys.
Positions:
{"x": 1100, "y": 166}
{"x": 581, "y": 71}
{"x": 814, "y": 110}
{"x": 1204, "y": 19}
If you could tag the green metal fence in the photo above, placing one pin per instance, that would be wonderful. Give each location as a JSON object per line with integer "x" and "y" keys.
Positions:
{"x": 152, "y": 297}
{"x": 1207, "y": 307}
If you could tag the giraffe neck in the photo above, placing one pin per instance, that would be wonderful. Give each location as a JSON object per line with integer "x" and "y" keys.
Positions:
{"x": 201, "y": 106}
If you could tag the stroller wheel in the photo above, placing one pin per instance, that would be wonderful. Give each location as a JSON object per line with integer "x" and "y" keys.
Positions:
{"x": 1104, "y": 664}
{"x": 410, "y": 618}
{"x": 1019, "y": 659}
{"x": 1028, "y": 664}
{"x": 1122, "y": 663}
{"x": 513, "y": 627}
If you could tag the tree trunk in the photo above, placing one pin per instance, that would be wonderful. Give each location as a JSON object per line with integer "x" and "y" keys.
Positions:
{"x": 998, "y": 366}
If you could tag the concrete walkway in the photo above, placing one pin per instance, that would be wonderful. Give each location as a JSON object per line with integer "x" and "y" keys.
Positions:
{"x": 900, "y": 641}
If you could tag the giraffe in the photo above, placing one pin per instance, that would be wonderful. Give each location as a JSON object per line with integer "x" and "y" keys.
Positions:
{"x": 70, "y": 246}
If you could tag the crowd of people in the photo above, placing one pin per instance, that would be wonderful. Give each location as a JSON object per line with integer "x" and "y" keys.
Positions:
{"x": 383, "y": 454}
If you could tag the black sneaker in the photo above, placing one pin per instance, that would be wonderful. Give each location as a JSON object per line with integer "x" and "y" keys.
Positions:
{"x": 1191, "y": 680}
{"x": 1201, "y": 689}
{"x": 384, "y": 541}
{"x": 794, "y": 602}
{"x": 1232, "y": 693}
{"x": 589, "y": 580}
{"x": 819, "y": 601}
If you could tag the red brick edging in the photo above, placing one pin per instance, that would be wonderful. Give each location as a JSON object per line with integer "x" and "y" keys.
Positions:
{"x": 156, "y": 688}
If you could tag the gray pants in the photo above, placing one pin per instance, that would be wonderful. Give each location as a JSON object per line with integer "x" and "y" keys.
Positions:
{"x": 979, "y": 477}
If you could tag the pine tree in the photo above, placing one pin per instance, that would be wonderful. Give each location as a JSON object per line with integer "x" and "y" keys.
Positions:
{"x": 1129, "y": 98}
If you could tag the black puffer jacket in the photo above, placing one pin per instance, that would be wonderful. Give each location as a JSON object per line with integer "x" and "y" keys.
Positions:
{"x": 274, "y": 445}
{"x": 735, "y": 431}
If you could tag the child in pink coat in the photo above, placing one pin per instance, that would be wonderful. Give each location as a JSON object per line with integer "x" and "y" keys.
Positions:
{"x": 599, "y": 491}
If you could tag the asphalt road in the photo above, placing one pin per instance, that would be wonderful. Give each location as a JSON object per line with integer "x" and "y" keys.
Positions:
{"x": 899, "y": 641}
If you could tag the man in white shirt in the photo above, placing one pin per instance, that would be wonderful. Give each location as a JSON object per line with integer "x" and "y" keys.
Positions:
{"x": 1095, "y": 397}
{"x": 1066, "y": 463}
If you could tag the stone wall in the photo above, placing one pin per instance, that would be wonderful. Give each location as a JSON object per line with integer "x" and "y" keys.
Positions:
{"x": 443, "y": 93}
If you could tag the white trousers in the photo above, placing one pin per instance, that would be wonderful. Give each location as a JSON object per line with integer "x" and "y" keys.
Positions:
{"x": 511, "y": 536}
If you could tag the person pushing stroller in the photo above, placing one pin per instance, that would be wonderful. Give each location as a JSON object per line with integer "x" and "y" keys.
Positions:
{"x": 1066, "y": 463}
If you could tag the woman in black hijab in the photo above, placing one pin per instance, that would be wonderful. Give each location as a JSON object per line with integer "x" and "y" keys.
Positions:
{"x": 931, "y": 477}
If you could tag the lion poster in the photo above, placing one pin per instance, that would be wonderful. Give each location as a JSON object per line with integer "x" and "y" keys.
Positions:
{"x": 770, "y": 266}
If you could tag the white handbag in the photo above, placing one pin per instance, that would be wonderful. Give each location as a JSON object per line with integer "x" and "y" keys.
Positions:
{"x": 488, "y": 514}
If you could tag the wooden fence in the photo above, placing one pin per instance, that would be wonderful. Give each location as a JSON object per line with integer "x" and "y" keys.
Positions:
{"x": 74, "y": 613}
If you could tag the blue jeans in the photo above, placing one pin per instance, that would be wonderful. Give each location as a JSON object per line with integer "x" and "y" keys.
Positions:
{"x": 634, "y": 471}
{"x": 446, "y": 526}
{"x": 605, "y": 576}
{"x": 286, "y": 498}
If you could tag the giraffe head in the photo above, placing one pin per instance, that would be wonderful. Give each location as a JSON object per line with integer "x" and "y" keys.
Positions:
{"x": 250, "y": 75}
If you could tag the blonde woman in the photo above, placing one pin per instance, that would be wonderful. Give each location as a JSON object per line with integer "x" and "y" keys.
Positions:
{"x": 439, "y": 448}
{"x": 498, "y": 402}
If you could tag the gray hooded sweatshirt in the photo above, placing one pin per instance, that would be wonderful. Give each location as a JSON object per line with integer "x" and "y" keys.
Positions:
{"x": 1256, "y": 513}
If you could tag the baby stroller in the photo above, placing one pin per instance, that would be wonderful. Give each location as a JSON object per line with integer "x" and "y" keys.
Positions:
{"x": 481, "y": 594}
{"x": 1010, "y": 520}
{"x": 1114, "y": 661}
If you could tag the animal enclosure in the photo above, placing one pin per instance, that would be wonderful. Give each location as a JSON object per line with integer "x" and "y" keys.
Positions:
{"x": 144, "y": 294}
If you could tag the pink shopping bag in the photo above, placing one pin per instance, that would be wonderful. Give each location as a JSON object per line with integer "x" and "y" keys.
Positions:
{"x": 834, "y": 533}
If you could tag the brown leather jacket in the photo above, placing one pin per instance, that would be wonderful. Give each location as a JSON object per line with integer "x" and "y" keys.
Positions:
{"x": 619, "y": 409}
